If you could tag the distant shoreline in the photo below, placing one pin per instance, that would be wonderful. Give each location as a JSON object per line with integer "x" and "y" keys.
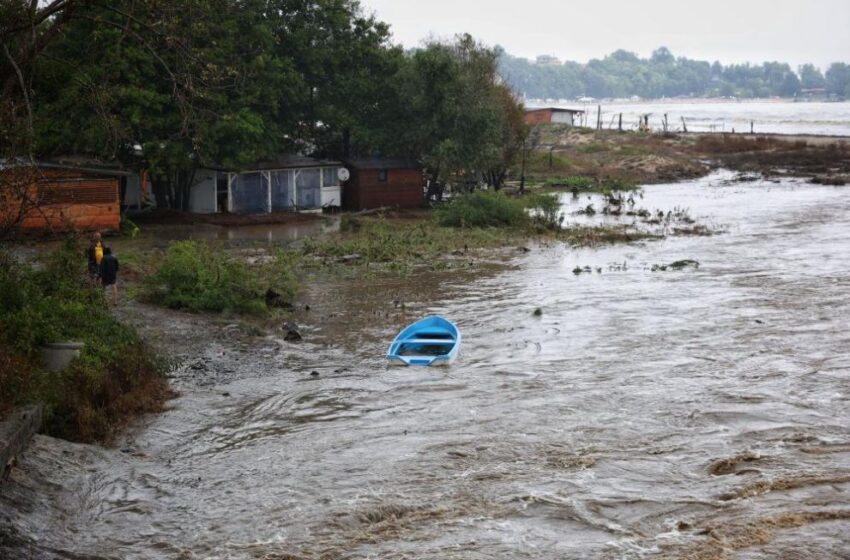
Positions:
{"x": 533, "y": 103}
{"x": 819, "y": 139}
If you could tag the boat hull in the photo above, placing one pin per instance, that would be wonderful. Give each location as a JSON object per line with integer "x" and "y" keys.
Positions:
{"x": 432, "y": 341}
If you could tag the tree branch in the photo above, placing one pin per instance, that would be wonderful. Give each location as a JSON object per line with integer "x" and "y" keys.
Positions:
{"x": 30, "y": 127}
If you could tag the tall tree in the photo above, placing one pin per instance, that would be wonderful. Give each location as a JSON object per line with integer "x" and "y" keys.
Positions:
{"x": 811, "y": 77}
{"x": 838, "y": 79}
{"x": 462, "y": 122}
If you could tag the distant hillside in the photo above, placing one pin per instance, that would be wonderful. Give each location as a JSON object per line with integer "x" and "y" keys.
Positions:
{"x": 624, "y": 74}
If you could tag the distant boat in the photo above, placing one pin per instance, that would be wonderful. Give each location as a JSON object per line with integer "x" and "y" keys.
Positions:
{"x": 429, "y": 341}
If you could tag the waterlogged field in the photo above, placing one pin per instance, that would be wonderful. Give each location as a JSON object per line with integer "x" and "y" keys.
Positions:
{"x": 782, "y": 117}
{"x": 647, "y": 410}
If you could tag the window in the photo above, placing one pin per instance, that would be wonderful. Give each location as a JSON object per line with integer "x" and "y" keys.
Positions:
{"x": 307, "y": 182}
{"x": 382, "y": 175}
{"x": 329, "y": 177}
{"x": 249, "y": 194}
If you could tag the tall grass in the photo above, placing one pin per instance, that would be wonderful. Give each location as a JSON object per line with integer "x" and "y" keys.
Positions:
{"x": 197, "y": 277}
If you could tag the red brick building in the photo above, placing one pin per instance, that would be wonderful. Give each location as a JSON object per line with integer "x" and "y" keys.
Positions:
{"x": 383, "y": 182}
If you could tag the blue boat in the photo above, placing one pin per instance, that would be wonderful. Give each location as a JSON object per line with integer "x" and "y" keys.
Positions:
{"x": 429, "y": 341}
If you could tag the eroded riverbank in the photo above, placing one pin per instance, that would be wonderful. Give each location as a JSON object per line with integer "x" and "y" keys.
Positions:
{"x": 695, "y": 413}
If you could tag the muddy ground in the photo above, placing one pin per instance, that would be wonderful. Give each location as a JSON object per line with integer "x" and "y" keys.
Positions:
{"x": 558, "y": 150}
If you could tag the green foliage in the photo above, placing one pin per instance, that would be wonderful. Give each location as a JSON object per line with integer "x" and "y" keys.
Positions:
{"x": 482, "y": 209}
{"x": 456, "y": 116}
{"x": 545, "y": 210}
{"x": 838, "y": 79}
{"x": 576, "y": 182}
{"x": 199, "y": 83}
{"x": 115, "y": 374}
{"x": 197, "y": 277}
{"x": 396, "y": 243}
{"x": 540, "y": 162}
{"x": 129, "y": 227}
{"x": 486, "y": 209}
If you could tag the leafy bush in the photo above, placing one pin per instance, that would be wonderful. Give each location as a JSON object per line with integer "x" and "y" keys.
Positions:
{"x": 493, "y": 209}
{"x": 197, "y": 277}
{"x": 482, "y": 209}
{"x": 545, "y": 210}
{"x": 578, "y": 182}
{"x": 114, "y": 378}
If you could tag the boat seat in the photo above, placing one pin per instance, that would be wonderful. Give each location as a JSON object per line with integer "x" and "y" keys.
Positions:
{"x": 446, "y": 341}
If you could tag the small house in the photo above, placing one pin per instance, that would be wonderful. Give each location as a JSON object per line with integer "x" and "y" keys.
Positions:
{"x": 60, "y": 196}
{"x": 287, "y": 183}
{"x": 383, "y": 182}
{"x": 552, "y": 115}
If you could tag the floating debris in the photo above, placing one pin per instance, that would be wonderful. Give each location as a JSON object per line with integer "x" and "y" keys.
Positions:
{"x": 675, "y": 265}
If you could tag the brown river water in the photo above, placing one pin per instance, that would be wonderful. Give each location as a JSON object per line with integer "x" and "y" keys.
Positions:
{"x": 694, "y": 413}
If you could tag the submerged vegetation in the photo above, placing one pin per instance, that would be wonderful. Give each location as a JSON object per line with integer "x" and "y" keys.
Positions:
{"x": 198, "y": 277}
{"x": 115, "y": 377}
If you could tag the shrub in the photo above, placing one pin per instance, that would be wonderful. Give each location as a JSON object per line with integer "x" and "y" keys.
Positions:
{"x": 196, "y": 277}
{"x": 577, "y": 182}
{"x": 114, "y": 378}
{"x": 545, "y": 210}
{"x": 482, "y": 209}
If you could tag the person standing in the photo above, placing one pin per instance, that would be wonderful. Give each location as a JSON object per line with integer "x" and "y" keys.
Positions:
{"x": 109, "y": 273}
{"x": 94, "y": 254}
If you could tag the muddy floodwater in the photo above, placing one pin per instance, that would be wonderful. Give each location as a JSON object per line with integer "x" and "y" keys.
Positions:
{"x": 699, "y": 412}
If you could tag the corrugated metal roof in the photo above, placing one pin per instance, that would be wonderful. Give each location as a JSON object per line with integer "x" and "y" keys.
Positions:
{"x": 291, "y": 161}
{"x": 555, "y": 110}
{"x": 71, "y": 164}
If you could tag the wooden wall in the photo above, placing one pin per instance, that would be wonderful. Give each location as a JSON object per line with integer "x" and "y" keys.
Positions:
{"x": 68, "y": 200}
{"x": 404, "y": 188}
{"x": 541, "y": 116}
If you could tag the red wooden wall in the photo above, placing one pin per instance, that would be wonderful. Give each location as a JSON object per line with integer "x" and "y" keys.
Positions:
{"x": 539, "y": 116}
{"x": 403, "y": 188}
{"x": 67, "y": 200}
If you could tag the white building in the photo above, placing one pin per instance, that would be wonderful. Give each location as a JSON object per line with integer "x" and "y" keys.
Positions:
{"x": 288, "y": 183}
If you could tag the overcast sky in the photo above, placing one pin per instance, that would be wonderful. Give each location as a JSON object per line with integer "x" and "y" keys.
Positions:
{"x": 793, "y": 31}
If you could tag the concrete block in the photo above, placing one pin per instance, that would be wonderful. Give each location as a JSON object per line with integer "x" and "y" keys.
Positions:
{"x": 16, "y": 431}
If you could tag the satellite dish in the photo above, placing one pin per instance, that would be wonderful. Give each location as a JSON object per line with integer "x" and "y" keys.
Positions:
{"x": 342, "y": 174}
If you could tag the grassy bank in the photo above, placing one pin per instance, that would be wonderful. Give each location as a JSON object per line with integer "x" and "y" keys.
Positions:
{"x": 116, "y": 376}
{"x": 599, "y": 158}
{"x": 563, "y": 156}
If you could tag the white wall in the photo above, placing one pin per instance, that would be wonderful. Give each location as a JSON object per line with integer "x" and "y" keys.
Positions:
{"x": 202, "y": 198}
{"x": 136, "y": 198}
{"x": 559, "y": 117}
{"x": 133, "y": 193}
